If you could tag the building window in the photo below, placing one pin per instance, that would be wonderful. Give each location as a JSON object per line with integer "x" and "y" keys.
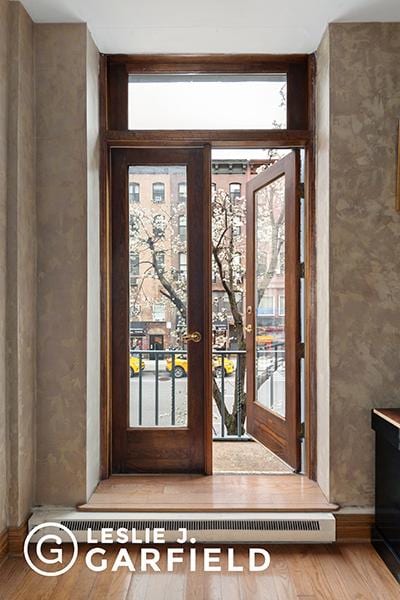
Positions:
{"x": 235, "y": 190}
{"x": 182, "y": 192}
{"x": 182, "y": 227}
{"x": 134, "y": 192}
{"x": 134, "y": 264}
{"x": 159, "y": 225}
{"x": 182, "y": 263}
{"x": 281, "y": 305}
{"x": 158, "y": 311}
{"x": 266, "y": 307}
{"x": 160, "y": 260}
{"x": 158, "y": 192}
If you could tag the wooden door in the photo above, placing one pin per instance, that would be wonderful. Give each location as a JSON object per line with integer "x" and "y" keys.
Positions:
{"x": 273, "y": 308}
{"x": 161, "y": 281}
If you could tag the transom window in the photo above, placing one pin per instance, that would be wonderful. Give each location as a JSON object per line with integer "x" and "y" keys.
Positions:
{"x": 245, "y": 101}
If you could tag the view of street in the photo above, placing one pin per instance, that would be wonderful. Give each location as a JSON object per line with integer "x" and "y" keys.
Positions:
{"x": 271, "y": 389}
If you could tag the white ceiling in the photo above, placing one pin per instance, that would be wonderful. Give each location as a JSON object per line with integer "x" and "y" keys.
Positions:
{"x": 190, "y": 26}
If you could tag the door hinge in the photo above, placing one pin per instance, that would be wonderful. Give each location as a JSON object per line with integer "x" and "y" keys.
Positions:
{"x": 300, "y": 190}
{"x": 302, "y": 430}
{"x": 301, "y": 349}
{"x": 302, "y": 270}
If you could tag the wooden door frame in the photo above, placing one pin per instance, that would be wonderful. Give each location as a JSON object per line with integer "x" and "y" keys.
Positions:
{"x": 300, "y": 70}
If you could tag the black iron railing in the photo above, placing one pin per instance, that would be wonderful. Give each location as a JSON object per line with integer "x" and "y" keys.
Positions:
{"x": 158, "y": 387}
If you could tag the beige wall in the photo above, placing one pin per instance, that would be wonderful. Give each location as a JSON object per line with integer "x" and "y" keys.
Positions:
{"x": 67, "y": 205}
{"x": 356, "y": 197}
{"x": 3, "y": 255}
{"x": 21, "y": 264}
{"x": 49, "y": 264}
{"x": 17, "y": 265}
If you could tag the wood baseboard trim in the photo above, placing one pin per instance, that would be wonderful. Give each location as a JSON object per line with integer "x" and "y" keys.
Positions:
{"x": 353, "y": 527}
{"x": 16, "y": 538}
{"x": 3, "y": 545}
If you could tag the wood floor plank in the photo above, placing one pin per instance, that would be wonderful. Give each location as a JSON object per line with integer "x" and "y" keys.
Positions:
{"x": 297, "y": 572}
{"x": 371, "y": 570}
{"x": 280, "y": 570}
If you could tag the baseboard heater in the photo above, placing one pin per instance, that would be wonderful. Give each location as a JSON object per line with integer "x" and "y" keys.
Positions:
{"x": 204, "y": 527}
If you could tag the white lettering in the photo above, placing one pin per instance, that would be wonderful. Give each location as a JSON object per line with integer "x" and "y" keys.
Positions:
{"x": 252, "y": 559}
{"x": 89, "y": 562}
{"x": 151, "y": 561}
{"x": 123, "y": 560}
{"x": 209, "y": 560}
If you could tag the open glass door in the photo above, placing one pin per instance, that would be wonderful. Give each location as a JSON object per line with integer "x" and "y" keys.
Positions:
{"x": 161, "y": 358}
{"x": 272, "y": 308}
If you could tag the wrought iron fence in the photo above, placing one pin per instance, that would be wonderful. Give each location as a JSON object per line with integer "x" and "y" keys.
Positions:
{"x": 159, "y": 380}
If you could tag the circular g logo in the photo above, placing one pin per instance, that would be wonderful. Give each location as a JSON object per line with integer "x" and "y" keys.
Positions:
{"x": 57, "y": 553}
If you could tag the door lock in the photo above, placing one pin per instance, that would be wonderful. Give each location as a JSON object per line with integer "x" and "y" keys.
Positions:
{"x": 193, "y": 337}
{"x": 249, "y": 328}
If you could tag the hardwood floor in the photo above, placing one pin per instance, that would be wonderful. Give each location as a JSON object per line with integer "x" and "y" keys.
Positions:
{"x": 329, "y": 572}
{"x": 188, "y": 493}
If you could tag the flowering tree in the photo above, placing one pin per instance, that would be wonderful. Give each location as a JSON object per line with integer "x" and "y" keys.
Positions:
{"x": 229, "y": 215}
{"x": 155, "y": 232}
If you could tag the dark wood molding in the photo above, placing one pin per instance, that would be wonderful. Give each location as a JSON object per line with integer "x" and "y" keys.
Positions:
{"x": 207, "y": 368}
{"x": 16, "y": 538}
{"x": 295, "y": 67}
{"x": 207, "y": 63}
{"x": 310, "y": 303}
{"x": 105, "y": 349}
{"x": 3, "y": 545}
{"x": 300, "y": 69}
{"x": 353, "y": 527}
{"x": 228, "y": 138}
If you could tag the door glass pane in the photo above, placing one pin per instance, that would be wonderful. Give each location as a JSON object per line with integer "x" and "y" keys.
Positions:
{"x": 270, "y": 295}
{"x": 177, "y": 101}
{"x": 158, "y": 363}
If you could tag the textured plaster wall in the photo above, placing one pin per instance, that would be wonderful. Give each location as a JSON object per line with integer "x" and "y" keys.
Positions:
{"x": 67, "y": 214}
{"x": 364, "y": 242}
{"x": 61, "y": 193}
{"x": 21, "y": 265}
{"x": 3, "y": 258}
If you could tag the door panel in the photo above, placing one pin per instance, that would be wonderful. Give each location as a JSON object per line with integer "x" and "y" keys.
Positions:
{"x": 273, "y": 313}
{"x": 160, "y": 283}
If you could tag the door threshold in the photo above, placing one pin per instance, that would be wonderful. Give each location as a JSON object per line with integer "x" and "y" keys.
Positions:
{"x": 212, "y": 493}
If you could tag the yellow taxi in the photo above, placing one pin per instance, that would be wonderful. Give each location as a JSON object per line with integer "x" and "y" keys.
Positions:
{"x": 181, "y": 366}
{"x": 264, "y": 339}
{"x": 136, "y": 365}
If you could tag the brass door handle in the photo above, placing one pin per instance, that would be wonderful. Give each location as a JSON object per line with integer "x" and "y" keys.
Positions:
{"x": 249, "y": 328}
{"x": 193, "y": 337}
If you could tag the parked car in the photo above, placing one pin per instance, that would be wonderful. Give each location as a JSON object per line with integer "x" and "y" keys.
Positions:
{"x": 264, "y": 339}
{"x": 135, "y": 365}
{"x": 181, "y": 366}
